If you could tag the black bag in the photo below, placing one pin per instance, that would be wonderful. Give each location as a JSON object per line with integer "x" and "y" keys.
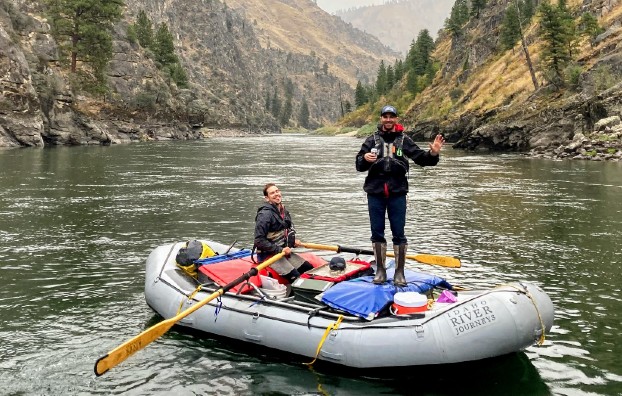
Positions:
{"x": 187, "y": 256}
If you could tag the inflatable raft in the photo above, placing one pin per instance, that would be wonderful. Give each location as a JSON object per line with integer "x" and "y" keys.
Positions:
{"x": 472, "y": 325}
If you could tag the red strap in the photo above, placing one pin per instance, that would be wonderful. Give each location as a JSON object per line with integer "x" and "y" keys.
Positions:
{"x": 386, "y": 190}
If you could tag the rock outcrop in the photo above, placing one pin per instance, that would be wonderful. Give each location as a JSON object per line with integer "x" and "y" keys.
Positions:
{"x": 549, "y": 122}
{"x": 231, "y": 78}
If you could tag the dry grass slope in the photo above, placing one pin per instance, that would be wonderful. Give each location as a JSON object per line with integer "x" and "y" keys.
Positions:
{"x": 302, "y": 27}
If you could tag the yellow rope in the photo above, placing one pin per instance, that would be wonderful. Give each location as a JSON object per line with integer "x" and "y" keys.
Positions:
{"x": 190, "y": 297}
{"x": 332, "y": 326}
{"x": 542, "y": 336}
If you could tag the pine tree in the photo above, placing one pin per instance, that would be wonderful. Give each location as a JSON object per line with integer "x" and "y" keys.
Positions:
{"x": 411, "y": 82}
{"x": 178, "y": 74}
{"x": 476, "y": 7}
{"x": 510, "y": 28}
{"x": 144, "y": 30}
{"x": 348, "y": 106}
{"x": 268, "y": 100}
{"x": 83, "y": 28}
{"x": 554, "y": 34}
{"x": 398, "y": 70}
{"x": 286, "y": 114}
{"x": 589, "y": 26}
{"x": 381, "y": 79}
{"x": 163, "y": 46}
{"x": 422, "y": 52}
{"x": 568, "y": 25}
{"x": 303, "y": 116}
{"x": 458, "y": 17}
{"x": 527, "y": 9}
{"x": 360, "y": 96}
{"x": 390, "y": 78}
{"x": 276, "y": 105}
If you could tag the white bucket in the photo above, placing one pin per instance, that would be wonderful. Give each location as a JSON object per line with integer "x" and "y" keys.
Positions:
{"x": 409, "y": 302}
{"x": 272, "y": 288}
{"x": 275, "y": 294}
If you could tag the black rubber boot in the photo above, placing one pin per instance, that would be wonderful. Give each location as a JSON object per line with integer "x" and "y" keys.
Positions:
{"x": 291, "y": 276}
{"x": 304, "y": 267}
{"x": 380, "y": 253}
{"x": 400, "y": 260}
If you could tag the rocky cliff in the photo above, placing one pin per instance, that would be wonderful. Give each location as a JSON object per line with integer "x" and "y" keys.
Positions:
{"x": 483, "y": 101}
{"x": 231, "y": 72}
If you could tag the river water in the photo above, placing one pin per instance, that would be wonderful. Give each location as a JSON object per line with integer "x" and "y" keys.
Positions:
{"x": 76, "y": 225}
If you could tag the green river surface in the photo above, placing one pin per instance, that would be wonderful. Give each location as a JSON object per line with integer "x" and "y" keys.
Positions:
{"x": 76, "y": 225}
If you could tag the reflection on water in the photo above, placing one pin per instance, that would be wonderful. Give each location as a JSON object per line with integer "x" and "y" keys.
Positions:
{"x": 76, "y": 225}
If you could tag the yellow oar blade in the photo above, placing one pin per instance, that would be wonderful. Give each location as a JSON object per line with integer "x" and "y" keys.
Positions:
{"x": 137, "y": 343}
{"x": 132, "y": 346}
{"x": 431, "y": 259}
{"x": 443, "y": 261}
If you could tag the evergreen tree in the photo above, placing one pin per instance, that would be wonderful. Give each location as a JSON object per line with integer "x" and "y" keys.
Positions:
{"x": 381, "y": 79}
{"x": 411, "y": 54}
{"x": 411, "y": 82}
{"x": 286, "y": 114}
{"x": 268, "y": 100}
{"x": 348, "y": 106}
{"x": 360, "y": 96}
{"x": 178, "y": 74}
{"x": 527, "y": 9}
{"x": 476, "y": 7}
{"x": 458, "y": 17}
{"x": 568, "y": 25}
{"x": 83, "y": 28}
{"x": 163, "y": 46}
{"x": 422, "y": 52}
{"x": 303, "y": 116}
{"x": 589, "y": 26}
{"x": 371, "y": 93}
{"x": 276, "y": 105}
{"x": 510, "y": 28}
{"x": 398, "y": 70}
{"x": 554, "y": 34}
{"x": 390, "y": 78}
{"x": 144, "y": 30}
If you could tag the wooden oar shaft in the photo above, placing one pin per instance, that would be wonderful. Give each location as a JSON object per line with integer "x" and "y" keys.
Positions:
{"x": 444, "y": 261}
{"x": 137, "y": 343}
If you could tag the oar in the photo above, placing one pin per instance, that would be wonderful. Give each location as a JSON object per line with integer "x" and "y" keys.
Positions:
{"x": 137, "y": 343}
{"x": 443, "y": 261}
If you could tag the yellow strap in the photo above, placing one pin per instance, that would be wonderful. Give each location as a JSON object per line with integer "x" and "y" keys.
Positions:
{"x": 190, "y": 297}
{"x": 332, "y": 326}
{"x": 430, "y": 303}
{"x": 542, "y": 336}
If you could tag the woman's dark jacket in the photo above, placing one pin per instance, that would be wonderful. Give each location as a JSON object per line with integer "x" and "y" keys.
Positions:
{"x": 387, "y": 176}
{"x": 273, "y": 230}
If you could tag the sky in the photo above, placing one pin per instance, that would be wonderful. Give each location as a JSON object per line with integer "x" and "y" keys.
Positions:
{"x": 331, "y": 6}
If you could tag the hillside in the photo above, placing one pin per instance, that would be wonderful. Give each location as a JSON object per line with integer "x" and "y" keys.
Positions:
{"x": 483, "y": 97}
{"x": 397, "y": 23}
{"x": 250, "y": 69}
{"x": 301, "y": 27}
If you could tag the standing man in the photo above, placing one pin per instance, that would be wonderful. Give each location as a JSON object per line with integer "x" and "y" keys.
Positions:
{"x": 275, "y": 233}
{"x": 384, "y": 156}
